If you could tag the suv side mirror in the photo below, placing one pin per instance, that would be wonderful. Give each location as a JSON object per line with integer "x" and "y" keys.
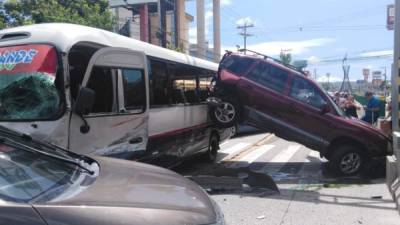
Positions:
{"x": 85, "y": 101}
{"x": 325, "y": 108}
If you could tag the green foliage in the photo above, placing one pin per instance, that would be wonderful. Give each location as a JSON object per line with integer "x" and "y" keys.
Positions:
{"x": 95, "y": 13}
{"x": 180, "y": 48}
{"x": 286, "y": 57}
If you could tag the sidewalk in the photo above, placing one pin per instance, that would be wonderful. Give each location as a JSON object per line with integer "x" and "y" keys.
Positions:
{"x": 329, "y": 204}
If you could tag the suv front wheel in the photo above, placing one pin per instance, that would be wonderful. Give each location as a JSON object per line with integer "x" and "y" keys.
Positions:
{"x": 347, "y": 161}
{"x": 226, "y": 114}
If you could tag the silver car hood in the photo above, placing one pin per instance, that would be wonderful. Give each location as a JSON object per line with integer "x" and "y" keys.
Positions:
{"x": 133, "y": 193}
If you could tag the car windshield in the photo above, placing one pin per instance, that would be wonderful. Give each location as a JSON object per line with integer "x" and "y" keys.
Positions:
{"x": 28, "y": 83}
{"x": 25, "y": 175}
{"x": 332, "y": 103}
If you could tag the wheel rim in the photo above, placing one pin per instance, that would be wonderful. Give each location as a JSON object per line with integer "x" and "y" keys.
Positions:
{"x": 233, "y": 131}
{"x": 350, "y": 163}
{"x": 225, "y": 113}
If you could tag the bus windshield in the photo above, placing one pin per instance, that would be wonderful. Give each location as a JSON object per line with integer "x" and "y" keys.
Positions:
{"x": 27, "y": 83}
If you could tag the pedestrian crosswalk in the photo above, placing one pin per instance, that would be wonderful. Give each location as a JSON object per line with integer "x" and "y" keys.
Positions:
{"x": 278, "y": 158}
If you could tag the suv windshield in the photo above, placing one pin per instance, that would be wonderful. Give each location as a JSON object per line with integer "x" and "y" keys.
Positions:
{"x": 28, "y": 83}
{"x": 25, "y": 175}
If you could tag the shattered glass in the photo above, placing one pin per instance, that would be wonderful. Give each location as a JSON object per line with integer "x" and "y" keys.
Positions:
{"x": 27, "y": 96}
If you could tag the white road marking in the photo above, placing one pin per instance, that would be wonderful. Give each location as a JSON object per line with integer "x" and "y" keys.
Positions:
{"x": 252, "y": 156}
{"x": 314, "y": 155}
{"x": 286, "y": 154}
{"x": 235, "y": 148}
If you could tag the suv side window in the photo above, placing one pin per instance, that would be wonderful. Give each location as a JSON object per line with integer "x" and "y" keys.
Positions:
{"x": 269, "y": 76}
{"x": 236, "y": 64}
{"x": 306, "y": 92}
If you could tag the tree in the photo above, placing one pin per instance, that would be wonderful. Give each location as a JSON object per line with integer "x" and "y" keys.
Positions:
{"x": 285, "y": 57}
{"x": 95, "y": 13}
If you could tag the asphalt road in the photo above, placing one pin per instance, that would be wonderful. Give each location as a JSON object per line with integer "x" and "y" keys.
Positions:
{"x": 286, "y": 183}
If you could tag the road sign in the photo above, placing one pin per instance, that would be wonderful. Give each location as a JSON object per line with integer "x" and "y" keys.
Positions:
{"x": 390, "y": 17}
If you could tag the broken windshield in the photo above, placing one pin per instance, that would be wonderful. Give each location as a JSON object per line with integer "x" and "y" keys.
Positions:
{"x": 28, "y": 83}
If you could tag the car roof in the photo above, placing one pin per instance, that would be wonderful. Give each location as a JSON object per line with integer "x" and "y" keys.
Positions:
{"x": 269, "y": 60}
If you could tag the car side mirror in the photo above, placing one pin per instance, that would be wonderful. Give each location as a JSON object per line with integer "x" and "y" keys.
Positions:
{"x": 85, "y": 101}
{"x": 325, "y": 108}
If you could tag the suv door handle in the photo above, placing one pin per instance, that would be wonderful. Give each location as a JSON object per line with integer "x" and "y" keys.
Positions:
{"x": 136, "y": 140}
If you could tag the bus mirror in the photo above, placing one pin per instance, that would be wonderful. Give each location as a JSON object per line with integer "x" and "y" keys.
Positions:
{"x": 85, "y": 101}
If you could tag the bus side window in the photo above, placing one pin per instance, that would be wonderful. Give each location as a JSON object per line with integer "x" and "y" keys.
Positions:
{"x": 158, "y": 84}
{"x": 185, "y": 83}
{"x": 102, "y": 81}
{"x": 205, "y": 85}
{"x": 134, "y": 89}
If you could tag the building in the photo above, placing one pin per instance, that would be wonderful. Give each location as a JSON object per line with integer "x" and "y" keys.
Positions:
{"x": 165, "y": 23}
{"x": 377, "y": 79}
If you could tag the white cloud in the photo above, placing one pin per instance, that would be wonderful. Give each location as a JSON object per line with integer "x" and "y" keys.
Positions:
{"x": 296, "y": 47}
{"x": 225, "y": 2}
{"x": 222, "y": 3}
{"x": 313, "y": 59}
{"x": 377, "y": 53}
{"x": 331, "y": 79}
{"x": 244, "y": 20}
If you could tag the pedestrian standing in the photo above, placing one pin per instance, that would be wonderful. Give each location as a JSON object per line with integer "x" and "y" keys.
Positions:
{"x": 351, "y": 107}
{"x": 371, "y": 109}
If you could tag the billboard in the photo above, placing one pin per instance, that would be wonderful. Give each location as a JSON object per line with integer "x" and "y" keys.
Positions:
{"x": 366, "y": 74}
{"x": 390, "y": 17}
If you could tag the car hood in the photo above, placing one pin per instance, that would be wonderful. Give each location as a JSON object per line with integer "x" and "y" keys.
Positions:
{"x": 136, "y": 189}
{"x": 366, "y": 125}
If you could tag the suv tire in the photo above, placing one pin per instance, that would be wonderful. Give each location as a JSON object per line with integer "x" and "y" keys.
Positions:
{"x": 346, "y": 161}
{"x": 225, "y": 115}
{"x": 211, "y": 155}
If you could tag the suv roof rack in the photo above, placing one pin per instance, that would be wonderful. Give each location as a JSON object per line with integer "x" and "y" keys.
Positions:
{"x": 265, "y": 57}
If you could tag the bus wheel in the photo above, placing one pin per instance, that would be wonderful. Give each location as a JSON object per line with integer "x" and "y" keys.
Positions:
{"x": 213, "y": 147}
{"x": 225, "y": 114}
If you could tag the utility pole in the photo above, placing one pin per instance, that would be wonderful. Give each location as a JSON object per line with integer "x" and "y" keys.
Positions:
{"x": 395, "y": 69}
{"x": 244, "y": 33}
{"x": 315, "y": 74}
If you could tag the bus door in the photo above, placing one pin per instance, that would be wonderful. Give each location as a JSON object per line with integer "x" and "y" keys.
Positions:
{"x": 111, "y": 111}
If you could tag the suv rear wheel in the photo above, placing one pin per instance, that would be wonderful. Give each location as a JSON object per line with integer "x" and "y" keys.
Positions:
{"x": 346, "y": 161}
{"x": 226, "y": 114}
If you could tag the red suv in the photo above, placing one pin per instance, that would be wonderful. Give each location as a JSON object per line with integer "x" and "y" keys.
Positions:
{"x": 278, "y": 98}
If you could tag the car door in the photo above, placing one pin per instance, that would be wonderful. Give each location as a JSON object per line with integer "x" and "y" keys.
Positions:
{"x": 309, "y": 122}
{"x": 118, "y": 122}
{"x": 267, "y": 85}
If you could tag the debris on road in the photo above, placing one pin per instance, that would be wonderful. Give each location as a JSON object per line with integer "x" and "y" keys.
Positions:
{"x": 261, "y": 217}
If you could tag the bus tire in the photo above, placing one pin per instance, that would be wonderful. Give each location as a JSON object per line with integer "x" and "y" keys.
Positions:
{"x": 213, "y": 146}
{"x": 225, "y": 115}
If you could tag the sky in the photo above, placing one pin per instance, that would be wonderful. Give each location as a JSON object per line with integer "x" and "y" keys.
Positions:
{"x": 313, "y": 30}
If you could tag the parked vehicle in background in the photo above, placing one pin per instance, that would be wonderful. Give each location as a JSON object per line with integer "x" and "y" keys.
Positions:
{"x": 275, "y": 97}
{"x": 98, "y": 92}
{"x": 44, "y": 184}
